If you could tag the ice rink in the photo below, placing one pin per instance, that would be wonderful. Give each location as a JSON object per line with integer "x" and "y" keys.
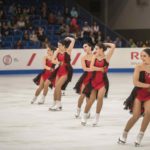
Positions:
{"x": 32, "y": 127}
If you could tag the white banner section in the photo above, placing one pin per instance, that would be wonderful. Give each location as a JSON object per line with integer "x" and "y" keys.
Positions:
{"x": 123, "y": 58}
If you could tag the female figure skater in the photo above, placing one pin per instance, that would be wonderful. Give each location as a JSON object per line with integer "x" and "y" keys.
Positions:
{"x": 98, "y": 87}
{"x": 86, "y": 76}
{"x": 62, "y": 74}
{"x": 139, "y": 100}
{"x": 42, "y": 78}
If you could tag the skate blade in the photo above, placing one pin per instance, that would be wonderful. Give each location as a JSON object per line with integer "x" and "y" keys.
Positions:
{"x": 136, "y": 144}
{"x": 121, "y": 142}
{"x": 77, "y": 116}
{"x": 95, "y": 125}
{"x": 51, "y": 109}
{"x": 40, "y": 103}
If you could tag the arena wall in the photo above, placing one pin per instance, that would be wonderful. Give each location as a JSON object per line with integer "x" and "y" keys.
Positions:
{"x": 30, "y": 61}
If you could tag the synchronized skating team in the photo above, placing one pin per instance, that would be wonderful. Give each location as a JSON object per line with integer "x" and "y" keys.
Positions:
{"x": 93, "y": 83}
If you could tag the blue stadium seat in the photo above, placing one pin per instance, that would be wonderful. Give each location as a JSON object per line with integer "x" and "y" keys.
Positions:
{"x": 35, "y": 17}
{"x": 36, "y": 23}
{"x": 26, "y": 44}
{"x": 7, "y": 38}
{"x": 34, "y": 45}
{"x": 18, "y": 33}
{"x": 16, "y": 38}
{"x": 50, "y": 27}
{"x": 7, "y": 45}
{"x": 43, "y": 22}
{"x": 56, "y": 27}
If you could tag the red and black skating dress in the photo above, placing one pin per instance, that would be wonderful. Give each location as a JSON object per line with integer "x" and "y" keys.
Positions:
{"x": 84, "y": 79}
{"x": 142, "y": 94}
{"x": 64, "y": 68}
{"x": 45, "y": 74}
{"x": 99, "y": 79}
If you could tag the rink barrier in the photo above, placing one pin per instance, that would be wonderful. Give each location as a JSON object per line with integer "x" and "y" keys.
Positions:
{"x": 31, "y": 61}
{"x": 13, "y": 72}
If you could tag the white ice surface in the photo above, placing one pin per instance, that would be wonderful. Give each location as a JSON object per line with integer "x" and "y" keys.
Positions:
{"x": 32, "y": 127}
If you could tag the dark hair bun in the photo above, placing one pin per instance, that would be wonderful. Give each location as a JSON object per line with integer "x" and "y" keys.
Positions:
{"x": 53, "y": 48}
{"x": 101, "y": 45}
{"x": 147, "y": 50}
{"x": 65, "y": 42}
{"x": 89, "y": 44}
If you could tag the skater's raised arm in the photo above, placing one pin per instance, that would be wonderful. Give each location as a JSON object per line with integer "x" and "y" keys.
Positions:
{"x": 111, "y": 50}
{"x": 71, "y": 45}
{"x": 54, "y": 59}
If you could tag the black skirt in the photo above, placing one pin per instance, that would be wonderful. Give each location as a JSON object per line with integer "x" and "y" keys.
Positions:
{"x": 79, "y": 83}
{"x": 128, "y": 103}
{"x": 88, "y": 88}
{"x": 69, "y": 76}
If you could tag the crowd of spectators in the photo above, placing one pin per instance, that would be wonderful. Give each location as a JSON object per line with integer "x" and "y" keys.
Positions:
{"x": 34, "y": 26}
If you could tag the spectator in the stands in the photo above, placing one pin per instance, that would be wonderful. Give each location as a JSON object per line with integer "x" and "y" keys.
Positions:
{"x": 5, "y": 30}
{"x": 74, "y": 27}
{"x": 21, "y": 23}
{"x": 25, "y": 13}
{"x": 18, "y": 11}
{"x": 33, "y": 36}
{"x": 64, "y": 30}
{"x": 67, "y": 20}
{"x": 32, "y": 10}
{"x": 132, "y": 43}
{"x": 26, "y": 36}
{"x": 28, "y": 24}
{"x": 141, "y": 43}
{"x": 20, "y": 17}
{"x": 67, "y": 31}
{"x": 146, "y": 43}
{"x": 59, "y": 18}
{"x": 97, "y": 39}
{"x": 2, "y": 14}
{"x": 118, "y": 42}
{"x": 18, "y": 45}
{"x": 51, "y": 18}
{"x": 74, "y": 13}
{"x": 40, "y": 34}
{"x": 46, "y": 43}
{"x": 30, "y": 29}
{"x": 12, "y": 9}
{"x": 14, "y": 26}
{"x": 95, "y": 29}
{"x": 86, "y": 30}
{"x": 44, "y": 10}
{"x": 108, "y": 40}
{"x": 96, "y": 33}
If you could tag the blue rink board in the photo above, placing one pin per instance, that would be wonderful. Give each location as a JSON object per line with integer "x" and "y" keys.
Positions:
{"x": 111, "y": 70}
